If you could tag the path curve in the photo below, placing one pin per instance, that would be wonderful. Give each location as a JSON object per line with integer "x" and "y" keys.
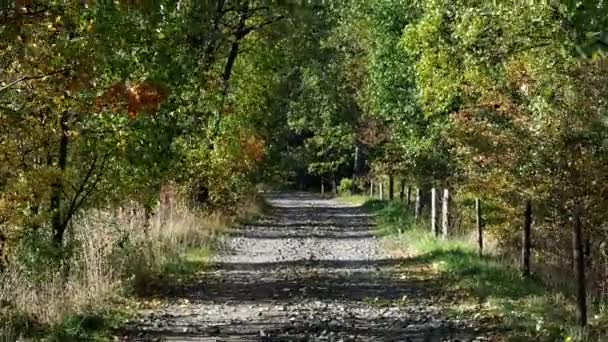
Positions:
{"x": 310, "y": 270}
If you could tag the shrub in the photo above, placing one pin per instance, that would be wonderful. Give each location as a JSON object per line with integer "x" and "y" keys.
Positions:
{"x": 346, "y": 185}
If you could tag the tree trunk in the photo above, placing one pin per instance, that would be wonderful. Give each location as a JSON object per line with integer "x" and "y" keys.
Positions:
{"x": 402, "y": 190}
{"x": 391, "y": 187}
{"x": 334, "y": 185}
{"x": 234, "y": 52}
{"x": 147, "y": 217}
{"x": 210, "y": 45}
{"x": 409, "y": 197}
{"x": 418, "y": 205}
{"x": 526, "y": 244}
{"x": 588, "y": 257}
{"x": 434, "y": 227}
{"x": 446, "y": 213}
{"x": 371, "y": 188}
{"x": 479, "y": 226}
{"x": 381, "y": 190}
{"x": 577, "y": 241}
{"x": 232, "y": 56}
{"x": 57, "y": 222}
{"x": 3, "y": 252}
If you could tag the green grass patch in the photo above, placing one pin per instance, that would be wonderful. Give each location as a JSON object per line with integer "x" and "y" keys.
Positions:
{"x": 392, "y": 218}
{"x": 95, "y": 325}
{"x": 177, "y": 270}
{"x": 353, "y": 199}
{"x": 485, "y": 287}
{"x": 188, "y": 264}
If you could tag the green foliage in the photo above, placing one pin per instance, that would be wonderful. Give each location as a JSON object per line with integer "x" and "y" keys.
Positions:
{"x": 80, "y": 328}
{"x": 392, "y": 217}
{"x": 345, "y": 186}
{"x": 522, "y": 118}
{"x": 103, "y": 103}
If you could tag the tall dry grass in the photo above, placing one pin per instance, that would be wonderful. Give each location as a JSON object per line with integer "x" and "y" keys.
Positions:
{"x": 112, "y": 253}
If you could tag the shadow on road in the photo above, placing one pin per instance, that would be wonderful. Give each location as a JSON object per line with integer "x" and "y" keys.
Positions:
{"x": 359, "y": 299}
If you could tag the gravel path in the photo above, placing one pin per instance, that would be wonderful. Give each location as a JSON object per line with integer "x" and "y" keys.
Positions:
{"x": 311, "y": 270}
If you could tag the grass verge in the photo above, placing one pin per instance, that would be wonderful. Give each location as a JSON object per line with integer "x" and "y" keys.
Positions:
{"x": 486, "y": 288}
{"x": 353, "y": 199}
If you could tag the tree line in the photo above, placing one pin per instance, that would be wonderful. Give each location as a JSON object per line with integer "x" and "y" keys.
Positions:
{"x": 500, "y": 102}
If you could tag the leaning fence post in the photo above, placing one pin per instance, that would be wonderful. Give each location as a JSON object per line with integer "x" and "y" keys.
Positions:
{"x": 579, "y": 261}
{"x": 479, "y": 226}
{"x": 446, "y": 213}
{"x": 526, "y": 244}
{"x": 434, "y": 227}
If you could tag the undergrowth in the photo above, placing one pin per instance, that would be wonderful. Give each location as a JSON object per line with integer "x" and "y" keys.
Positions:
{"x": 492, "y": 290}
{"x": 114, "y": 258}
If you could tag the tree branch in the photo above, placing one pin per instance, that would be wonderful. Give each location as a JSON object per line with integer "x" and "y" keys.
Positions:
{"x": 242, "y": 33}
{"x": 83, "y": 191}
{"x": 90, "y": 189}
{"x": 29, "y": 78}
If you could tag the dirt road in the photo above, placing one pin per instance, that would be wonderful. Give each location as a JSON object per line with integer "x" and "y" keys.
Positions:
{"x": 310, "y": 270}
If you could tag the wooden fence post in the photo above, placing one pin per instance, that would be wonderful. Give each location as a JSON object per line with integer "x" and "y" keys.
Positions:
{"x": 579, "y": 260}
{"x": 446, "y": 213}
{"x": 434, "y": 227}
{"x": 418, "y": 205}
{"x": 322, "y": 186}
{"x": 479, "y": 226}
{"x": 391, "y": 187}
{"x": 526, "y": 244}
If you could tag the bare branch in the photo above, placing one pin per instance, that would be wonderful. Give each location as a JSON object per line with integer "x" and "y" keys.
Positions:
{"x": 29, "y": 78}
{"x": 82, "y": 191}
{"x": 242, "y": 33}
{"x": 91, "y": 187}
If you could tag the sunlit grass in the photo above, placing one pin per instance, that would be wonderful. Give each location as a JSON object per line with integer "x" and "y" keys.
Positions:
{"x": 353, "y": 199}
{"x": 186, "y": 265}
{"x": 489, "y": 290}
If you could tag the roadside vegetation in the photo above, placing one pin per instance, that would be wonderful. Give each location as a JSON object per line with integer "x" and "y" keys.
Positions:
{"x": 116, "y": 264}
{"x": 489, "y": 288}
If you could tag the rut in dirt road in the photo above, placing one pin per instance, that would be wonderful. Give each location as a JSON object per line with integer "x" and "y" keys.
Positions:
{"x": 309, "y": 270}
